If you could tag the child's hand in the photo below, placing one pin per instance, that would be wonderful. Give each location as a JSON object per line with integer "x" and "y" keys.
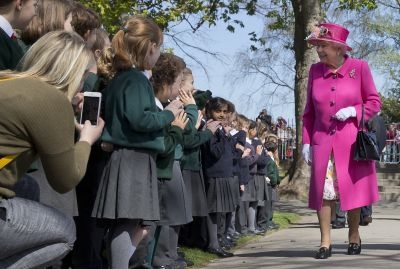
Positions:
{"x": 227, "y": 128}
{"x": 242, "y": 188}
{"x": 199, "y": 118}
{"x": 213, "y": 125}
{"x": 180, "y": 120}
{"x": 175, "y": 107}
{"x": 186, "y": 97}
{"x": 246, "y": 152}
{"x": 259, "y": 149}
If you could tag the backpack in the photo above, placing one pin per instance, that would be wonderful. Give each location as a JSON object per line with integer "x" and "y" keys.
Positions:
{"x": 377, "y": 125}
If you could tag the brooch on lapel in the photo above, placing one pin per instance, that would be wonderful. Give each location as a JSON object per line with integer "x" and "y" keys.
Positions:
{"x": 352, "y": 73}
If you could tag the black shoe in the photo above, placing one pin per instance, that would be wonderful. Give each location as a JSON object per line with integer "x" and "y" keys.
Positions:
{"x": 324, "y": 252}
{"x": 219, "y": 252}
{"x": 354, "y": 248}
{"x": 338, "y": 224}
{"x": 225, "y": 243}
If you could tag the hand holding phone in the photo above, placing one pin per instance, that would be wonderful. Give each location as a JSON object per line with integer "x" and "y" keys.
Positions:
{"x": 91, "y": 107}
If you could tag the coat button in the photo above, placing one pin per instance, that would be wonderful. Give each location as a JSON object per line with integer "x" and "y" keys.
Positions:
{"x": 334, "y": 76}
{"x": 331, "y": 103}
{"x": 333, "y": 131}
{"x": 333, "y": 88}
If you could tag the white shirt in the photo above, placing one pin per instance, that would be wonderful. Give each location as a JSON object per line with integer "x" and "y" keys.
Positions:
{"x": 6, "y": 26}
{"x": 158, "y": 104}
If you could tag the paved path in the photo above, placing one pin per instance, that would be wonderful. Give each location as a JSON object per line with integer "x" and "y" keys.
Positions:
{"x": 295, "y": 246}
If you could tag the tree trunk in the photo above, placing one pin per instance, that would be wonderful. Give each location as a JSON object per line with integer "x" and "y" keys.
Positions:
{"x": 307, "y": 15}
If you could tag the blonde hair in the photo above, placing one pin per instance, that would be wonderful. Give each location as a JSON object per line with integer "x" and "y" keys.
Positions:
{"x": 59, "y": 58}
{"x": 132, "y": 43}
{"x": 242, "y": 122}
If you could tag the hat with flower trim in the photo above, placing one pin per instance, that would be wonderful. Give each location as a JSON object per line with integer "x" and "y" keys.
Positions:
{"x": 330, "y": 32}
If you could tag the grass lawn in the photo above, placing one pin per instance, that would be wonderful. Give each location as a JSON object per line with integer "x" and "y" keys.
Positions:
{"x": 201, "y": 258}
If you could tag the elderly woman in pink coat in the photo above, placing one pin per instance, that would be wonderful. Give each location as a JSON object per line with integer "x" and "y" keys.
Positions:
{"x": 338, "y": 86}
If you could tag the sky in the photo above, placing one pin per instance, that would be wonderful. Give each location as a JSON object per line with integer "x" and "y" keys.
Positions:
{"x": 219, "y": 79}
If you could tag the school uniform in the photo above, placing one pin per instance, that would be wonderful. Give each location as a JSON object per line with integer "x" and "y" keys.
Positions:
{"x": 217, "y": 156}
{"x": 129, "y": 187}
{"x": 228, "y": 224}
{"x": 272, "y": 173}
{"x": 250, "y": 191}
{"x": 10, "y": 52}
{"x": 175, "y": 209}
{"x": 259, "y": 171}
{"x": 192, "y": 234}
{"x": 192, "y": 171}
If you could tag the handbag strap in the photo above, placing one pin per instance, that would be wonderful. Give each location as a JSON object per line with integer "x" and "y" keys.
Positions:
{"x": 361, "y": 127}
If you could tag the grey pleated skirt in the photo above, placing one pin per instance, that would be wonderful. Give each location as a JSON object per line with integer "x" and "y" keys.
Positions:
{"x": 268, "y": 192}
{"x": 220, "y": 195}
{"x": 194, "y": 183}
{"x": 175, "y": 208}
{"x": 260, "y": 184}
{"x": 236, "y": 190}
{"x": 249, "y": 194}
{"x": 128, "y": 187}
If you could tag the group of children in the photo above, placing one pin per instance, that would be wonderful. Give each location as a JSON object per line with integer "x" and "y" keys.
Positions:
{"x": 174, "y": 166}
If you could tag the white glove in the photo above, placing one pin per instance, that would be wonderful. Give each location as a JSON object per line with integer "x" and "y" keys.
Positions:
{"x": 306, "y": 151}
{"x": 345, "y": 113}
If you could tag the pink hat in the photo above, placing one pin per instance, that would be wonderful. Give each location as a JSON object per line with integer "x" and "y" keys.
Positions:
{"x": 329, "y": 32}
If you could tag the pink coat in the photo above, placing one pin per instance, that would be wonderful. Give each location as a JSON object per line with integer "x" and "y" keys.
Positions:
{"x": 327, "y": 93}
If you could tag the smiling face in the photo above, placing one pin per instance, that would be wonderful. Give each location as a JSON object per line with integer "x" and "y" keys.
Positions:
{"x": 330, "y": 54}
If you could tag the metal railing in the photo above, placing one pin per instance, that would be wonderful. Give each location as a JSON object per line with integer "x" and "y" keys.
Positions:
{"x": 391, "y": 152}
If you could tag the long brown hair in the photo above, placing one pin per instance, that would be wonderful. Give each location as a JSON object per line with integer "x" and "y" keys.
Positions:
{"x": 132, "y": 43}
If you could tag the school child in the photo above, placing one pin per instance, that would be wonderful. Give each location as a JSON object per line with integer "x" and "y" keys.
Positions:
{"x": 261, "y": 213}
{"x": 227, "y": 220}
{"x": 241, "y": 124}
{"x": 240, "y": 139}
{"x": 128, "y": 191}
{"x": 88, "y": 245}
{"x": 13, "y": 15}
{"x": 217, "y": 159}
{"x": 85, "y": 21}
{"x": 273, "y": 181}
{"x": 194, "y": 234}
{"x": 254, "y": 189}
{"x": 174, "y": 205}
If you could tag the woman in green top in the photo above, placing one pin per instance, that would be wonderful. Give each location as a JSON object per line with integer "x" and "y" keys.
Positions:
{"x": 37, "y": 120}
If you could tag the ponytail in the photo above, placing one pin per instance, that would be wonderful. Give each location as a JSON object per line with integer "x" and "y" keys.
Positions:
{"x": 122, "y": 59}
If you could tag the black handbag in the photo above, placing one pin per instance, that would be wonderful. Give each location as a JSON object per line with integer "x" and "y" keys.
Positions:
{"x": 366, "y": 148}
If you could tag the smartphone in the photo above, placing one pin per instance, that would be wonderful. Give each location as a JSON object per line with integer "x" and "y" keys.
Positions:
{"x": 91, "y": 107}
